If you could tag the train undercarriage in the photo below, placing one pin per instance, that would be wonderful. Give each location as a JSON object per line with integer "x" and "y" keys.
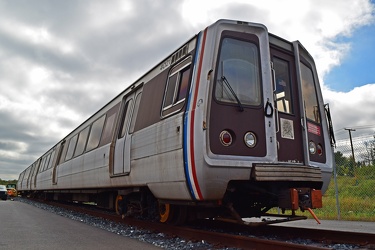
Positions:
{"x": 243, "y": 199}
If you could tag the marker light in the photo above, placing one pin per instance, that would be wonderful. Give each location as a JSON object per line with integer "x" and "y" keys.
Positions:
{"x": 319, "y": 149}
{"x": 226, "y": 138}
{"x": 312, "y": 147}
{"x": 250, "y": 139}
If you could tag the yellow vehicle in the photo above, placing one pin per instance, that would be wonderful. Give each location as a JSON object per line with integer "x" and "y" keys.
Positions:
{"x": 11, "y": 190}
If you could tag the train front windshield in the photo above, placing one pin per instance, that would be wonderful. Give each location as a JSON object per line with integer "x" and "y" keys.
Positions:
{"x": 238, "y": 77}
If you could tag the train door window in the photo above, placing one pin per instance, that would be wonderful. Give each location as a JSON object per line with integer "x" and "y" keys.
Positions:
{"x": 177, "y": 87}
{"x": 126, "y": 117}
{"x": 95, "y": 133}
{"x": 283, "y": 83}
{"x": 238, "y": 74}
{"x": 309, "y": 94}
{"x": 51, "y": 159}
{"x": 135, "y": 112}
{"x": 71, "y": 147}
{"x": 82, "y": 139}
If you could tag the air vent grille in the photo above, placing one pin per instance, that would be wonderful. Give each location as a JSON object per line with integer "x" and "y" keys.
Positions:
{"x": 180, "y": 53}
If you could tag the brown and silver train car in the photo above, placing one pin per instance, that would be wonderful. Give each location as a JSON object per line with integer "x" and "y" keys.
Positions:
{"x": 232, "y": 123}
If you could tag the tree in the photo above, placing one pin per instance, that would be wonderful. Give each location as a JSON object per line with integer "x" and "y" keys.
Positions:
{"x": 4, "y": 182}
{"x": 342, "y": 164}
{"x": 369, "y": 155}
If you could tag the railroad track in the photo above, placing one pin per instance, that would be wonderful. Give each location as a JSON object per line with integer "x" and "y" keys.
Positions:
{"x": 224, "y": 234}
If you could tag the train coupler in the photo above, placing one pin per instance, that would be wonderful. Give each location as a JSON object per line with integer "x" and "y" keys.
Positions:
{"x": 302, "y": 198}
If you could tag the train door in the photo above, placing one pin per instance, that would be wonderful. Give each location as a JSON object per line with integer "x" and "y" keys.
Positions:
{"x": 286, "y": 91}
{"x": 121, "y": 164}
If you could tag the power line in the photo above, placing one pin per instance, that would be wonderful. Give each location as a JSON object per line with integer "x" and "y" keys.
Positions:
{"x": 356, "y": 127}
{"x": 360, "y": 138}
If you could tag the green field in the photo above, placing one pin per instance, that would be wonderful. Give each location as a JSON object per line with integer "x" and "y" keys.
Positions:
{"x": 356, "y": 199}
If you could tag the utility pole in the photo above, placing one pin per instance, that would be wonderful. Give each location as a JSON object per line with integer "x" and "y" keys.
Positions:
{"x": 351, "y": 144}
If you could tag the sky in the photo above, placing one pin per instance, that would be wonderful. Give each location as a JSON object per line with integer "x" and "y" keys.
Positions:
{"x": 61, "y": 61}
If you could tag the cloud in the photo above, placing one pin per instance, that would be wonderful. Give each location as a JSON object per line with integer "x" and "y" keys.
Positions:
{"x": 61, "y": 61}
{"x": 317, "y": 24}
{"x": 353, "y": 108}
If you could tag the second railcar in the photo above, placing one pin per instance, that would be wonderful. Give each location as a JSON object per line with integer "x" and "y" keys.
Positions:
{"x": 232, "y": 123}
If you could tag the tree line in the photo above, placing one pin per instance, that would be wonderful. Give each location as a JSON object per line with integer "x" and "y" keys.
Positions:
{"x": 6, "y": 182}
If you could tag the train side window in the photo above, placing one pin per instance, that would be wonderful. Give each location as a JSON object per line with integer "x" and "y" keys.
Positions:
{"x": 82, "y": 139}
{"x": 126, "y": 118}
{"x": 109, "y": 125}
{"x": 108, "y": 128}
{"x": 71, "y": 147}
{"x": 95, "y": 133}
{"x": 183, "y": 84}
{"x": 177, "y": 87}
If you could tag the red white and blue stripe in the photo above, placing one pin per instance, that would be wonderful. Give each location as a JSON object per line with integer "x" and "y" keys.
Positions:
{"x": 189, "y": 122}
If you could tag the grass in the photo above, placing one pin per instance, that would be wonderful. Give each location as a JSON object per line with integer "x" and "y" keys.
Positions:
{"x": 356, "y": 199}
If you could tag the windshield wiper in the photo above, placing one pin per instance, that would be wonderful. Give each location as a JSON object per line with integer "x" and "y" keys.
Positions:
{"x": 224, "y": 79}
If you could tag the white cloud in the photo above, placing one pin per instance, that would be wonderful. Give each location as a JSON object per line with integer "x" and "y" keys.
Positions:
{"x": 353, "y": 108}
{"x": 61, "y": 61}
{"x": 316, "y": 23}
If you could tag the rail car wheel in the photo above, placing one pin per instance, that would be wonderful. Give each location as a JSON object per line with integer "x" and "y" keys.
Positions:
{"x": 173, "y": 214}
{"x": 166, "y": 212}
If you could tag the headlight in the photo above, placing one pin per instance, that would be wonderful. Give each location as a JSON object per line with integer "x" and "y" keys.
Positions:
{"x": 250, "y": 139}
{"x": 312, "y": 147}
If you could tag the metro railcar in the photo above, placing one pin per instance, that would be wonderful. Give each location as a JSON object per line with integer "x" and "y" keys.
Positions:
{"x": 231, "y": 124}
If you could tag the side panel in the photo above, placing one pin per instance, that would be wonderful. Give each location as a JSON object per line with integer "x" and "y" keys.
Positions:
{"x": 153, "y": 148}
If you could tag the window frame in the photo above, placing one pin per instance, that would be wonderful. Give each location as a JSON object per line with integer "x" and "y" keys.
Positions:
{"x": 71, "y": 147}
{"x": 177, "y": 103}
{"x": 133, "y": 120}
{"x": 100, "y": 133}
{"x": 289, "y": 84}
{"x": 47, "y": 161}
{"x": 247, "y": 38}
{"x": 88, "y": 129}
{"x": 126, "y": 118}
